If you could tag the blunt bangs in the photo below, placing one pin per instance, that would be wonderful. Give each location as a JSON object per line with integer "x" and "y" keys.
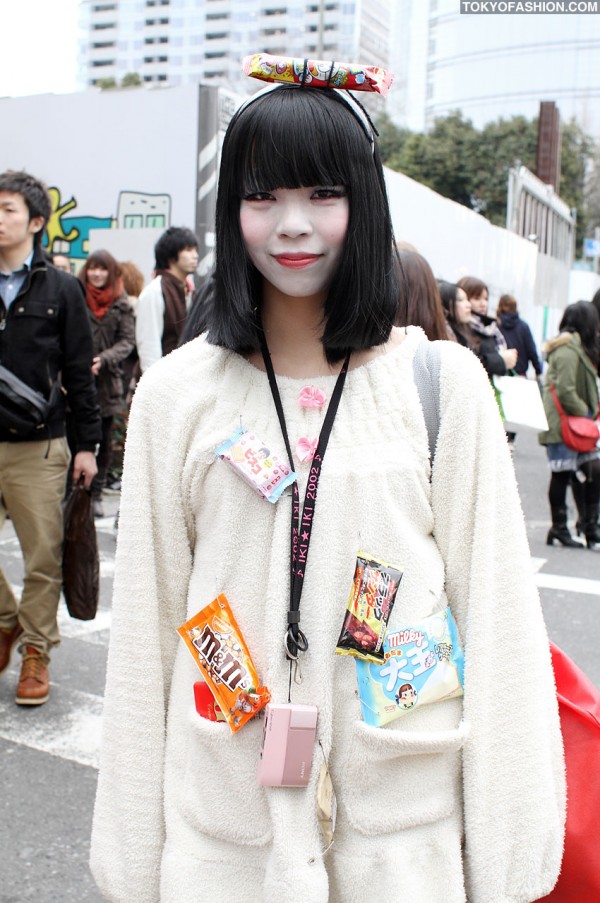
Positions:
{"x": 296, "y": 138}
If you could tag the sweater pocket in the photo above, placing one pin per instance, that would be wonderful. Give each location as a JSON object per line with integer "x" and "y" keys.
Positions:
{"x": 222, "y": 797}
{"x": 401, "y": 779}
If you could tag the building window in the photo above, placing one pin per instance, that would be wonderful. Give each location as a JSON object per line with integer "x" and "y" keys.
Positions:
{"x": 98, "y": 44}
{"x": 133, "y": 221}
{"x": 281, "y": 11}
{"x": 104, "y": 7}
{"x": 162, "y": 78}
{"x": 215, "y": 55}
{"x": 155, "y": 221}
{"x": 97, "y": 63}
{"x": 101, "y": 26}
{"x": 210, "y": 17}
{"x": 217, "y": 36}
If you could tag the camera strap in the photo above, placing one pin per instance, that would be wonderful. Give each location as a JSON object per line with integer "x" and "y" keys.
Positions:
{"x": 302, "y": 521}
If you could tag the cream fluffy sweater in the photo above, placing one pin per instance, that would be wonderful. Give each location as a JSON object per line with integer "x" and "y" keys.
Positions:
{"x": 461, "y": 798}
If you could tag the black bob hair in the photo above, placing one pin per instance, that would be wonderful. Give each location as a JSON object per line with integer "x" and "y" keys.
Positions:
{"x": 301, "y": 137}
{"x": 170, "y": 243}
{"x": 582, "y": 317}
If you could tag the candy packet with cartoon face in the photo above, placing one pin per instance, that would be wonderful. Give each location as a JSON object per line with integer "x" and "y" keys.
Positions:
{"x": 423, "y": 663}
{"x": 369, "y": 607}
{"x": 219, "y": 649}
{"x": 256, "y": 463}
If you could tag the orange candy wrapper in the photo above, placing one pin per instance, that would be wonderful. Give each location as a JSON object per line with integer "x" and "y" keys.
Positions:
{"x": 218, "y": 648}
{"x": 319, "y": 73}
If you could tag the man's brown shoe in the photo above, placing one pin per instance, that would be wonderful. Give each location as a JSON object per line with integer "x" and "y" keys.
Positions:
{"x": 8, "y": 638}
{"x": 33, "y": 686}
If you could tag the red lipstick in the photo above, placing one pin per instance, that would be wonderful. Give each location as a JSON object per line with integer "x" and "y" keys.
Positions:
{"x": 296, "y": 261}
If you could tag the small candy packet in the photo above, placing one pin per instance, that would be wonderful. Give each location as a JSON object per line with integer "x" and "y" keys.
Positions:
{"x": 254, "y": 461}
{"x": 369, "y": 607}
{"x": 317, "y": 73}
{"x": 218, "y": 648}
{"x": 423, "y": 663}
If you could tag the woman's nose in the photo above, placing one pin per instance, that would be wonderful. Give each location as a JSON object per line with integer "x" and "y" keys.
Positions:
{"x": 294, "y": 219}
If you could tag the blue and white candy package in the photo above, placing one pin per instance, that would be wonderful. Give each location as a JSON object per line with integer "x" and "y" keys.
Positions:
{"x": 423, "y": 663}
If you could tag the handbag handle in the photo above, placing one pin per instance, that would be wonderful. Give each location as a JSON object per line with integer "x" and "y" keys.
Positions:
{"x": 559, "y": 407}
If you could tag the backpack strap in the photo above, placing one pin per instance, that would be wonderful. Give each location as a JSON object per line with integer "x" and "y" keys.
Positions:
{"x": 426, "y": 371}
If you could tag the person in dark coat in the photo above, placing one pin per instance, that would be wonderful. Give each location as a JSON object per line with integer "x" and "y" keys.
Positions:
{"x": 518, "y": 335}
{"x": 113, "y": 334}
{"x": 45, "y": 342}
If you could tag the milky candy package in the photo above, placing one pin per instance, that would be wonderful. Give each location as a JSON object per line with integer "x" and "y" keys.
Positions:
{"x": 256, "y": 463}
{"x": 218, "y": 648}
{"x": 369, "y": 607}
{"x": 423, "y": 663}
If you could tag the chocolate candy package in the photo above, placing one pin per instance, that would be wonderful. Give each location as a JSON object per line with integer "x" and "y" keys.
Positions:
{"x": 218, "y": 648}
{"x": 369, "y": 607}
{"x": 423, "y": 663}
{"x": 256, "y": 463}
{"x": 319, "y": 73}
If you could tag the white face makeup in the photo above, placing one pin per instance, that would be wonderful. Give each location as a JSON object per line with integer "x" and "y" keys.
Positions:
{"x": 295, "y": 236}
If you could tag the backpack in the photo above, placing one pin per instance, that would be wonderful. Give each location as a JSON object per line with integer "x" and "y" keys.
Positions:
{"x": 578, "y": 707}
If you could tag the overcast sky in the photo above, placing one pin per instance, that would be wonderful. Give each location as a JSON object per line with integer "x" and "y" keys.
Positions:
{"x": 39, "y": 46}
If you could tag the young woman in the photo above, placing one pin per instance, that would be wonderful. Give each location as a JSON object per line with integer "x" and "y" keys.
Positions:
{"x": 461, "y": 797}
{"x": 493, "y": 352}
{"x": 517, "y": 335}
{"x": 457, "y": 308}
{"x": 420, "y": 303}
{"x": 113, "y": 335}
{"x": 572, "y": 369}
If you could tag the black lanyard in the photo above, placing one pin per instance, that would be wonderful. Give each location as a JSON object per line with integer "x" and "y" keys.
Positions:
{"x": 301, "y": 523}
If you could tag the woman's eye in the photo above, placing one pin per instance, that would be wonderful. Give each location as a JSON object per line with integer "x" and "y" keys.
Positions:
{"x": 259, "y": 196}
{"x": 324, "y": 194}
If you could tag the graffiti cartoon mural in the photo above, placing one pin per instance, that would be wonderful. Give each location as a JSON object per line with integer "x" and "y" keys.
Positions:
{"x": 69, "y": 235}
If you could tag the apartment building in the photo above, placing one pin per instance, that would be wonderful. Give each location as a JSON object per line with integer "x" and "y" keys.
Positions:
{"x": 173, "y": 42}
{"x": 492, "y": 65}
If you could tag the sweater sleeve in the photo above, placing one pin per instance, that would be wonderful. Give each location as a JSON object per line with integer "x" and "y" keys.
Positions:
{"x": 567, "y": 363}
{"x": 513, "y": 769}
{"x": 124, "y": 339}
{"x": 150, "y": 323}
{"x": 532, "y": 353}
{"x": 152, "y": 571}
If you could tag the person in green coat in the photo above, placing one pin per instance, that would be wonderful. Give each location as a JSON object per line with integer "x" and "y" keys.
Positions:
{"x": 572, "y": 368}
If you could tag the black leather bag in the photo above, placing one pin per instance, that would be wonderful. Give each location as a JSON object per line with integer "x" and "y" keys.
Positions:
{"x": 22, "y": 409}
{"x": 81, "y": 564}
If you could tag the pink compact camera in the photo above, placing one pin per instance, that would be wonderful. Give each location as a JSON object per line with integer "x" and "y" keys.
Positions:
{"x": 288, "y": 745}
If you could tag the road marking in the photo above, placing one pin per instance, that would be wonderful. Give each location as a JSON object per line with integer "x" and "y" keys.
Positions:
{"x": 559, "y": 581}
{"x": 68, "y": 726}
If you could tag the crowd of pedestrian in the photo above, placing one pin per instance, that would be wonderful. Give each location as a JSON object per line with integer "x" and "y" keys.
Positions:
{"x": 310, "y": 300}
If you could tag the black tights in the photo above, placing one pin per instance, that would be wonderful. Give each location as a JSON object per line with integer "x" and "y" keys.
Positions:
{"x": 559, "y": 483}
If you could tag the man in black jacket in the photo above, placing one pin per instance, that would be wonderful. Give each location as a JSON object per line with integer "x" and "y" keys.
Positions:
{"x": 45, "y": 340}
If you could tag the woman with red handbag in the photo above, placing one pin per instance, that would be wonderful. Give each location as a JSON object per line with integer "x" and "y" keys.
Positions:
{"x": 571, "y": 389}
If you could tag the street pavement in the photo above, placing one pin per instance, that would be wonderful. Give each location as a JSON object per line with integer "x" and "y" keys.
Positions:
{"x": 49, "y": 754}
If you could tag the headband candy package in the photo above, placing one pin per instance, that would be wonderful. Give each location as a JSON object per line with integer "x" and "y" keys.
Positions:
{"x": 317, "y": 73}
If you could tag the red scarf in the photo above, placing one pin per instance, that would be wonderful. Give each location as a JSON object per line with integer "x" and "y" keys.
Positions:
{"x": 99, "y": 300}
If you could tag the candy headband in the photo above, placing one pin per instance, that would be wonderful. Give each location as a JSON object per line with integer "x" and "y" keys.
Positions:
{"x": 319, "y": 74}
